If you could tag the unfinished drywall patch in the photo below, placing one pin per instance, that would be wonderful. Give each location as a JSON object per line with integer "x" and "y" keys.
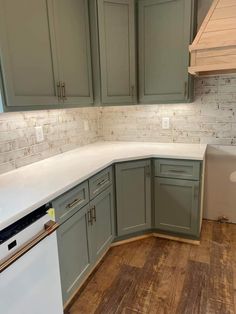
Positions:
{"x": 220, "y": 183}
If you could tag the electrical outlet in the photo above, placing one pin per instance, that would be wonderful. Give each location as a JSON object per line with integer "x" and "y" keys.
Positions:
{"x": 86, "y": 125}
{"x": 39, "y": 134}
{"x": 165, "y": 123}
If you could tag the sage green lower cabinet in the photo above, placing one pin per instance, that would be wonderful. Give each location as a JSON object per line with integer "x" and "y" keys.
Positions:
{"x": 75, "y": 256}
{"x": 102, "y": 208}
{"x": 133, "y": 195}
{"x": 177, "y": 206}
{"x": 83, "y": 236}
{"x": 87, "y": 218}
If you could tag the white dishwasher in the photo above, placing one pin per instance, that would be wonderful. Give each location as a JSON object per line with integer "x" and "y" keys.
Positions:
{"x": 29, "y": 267}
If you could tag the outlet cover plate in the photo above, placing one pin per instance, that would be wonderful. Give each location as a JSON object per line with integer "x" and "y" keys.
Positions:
{"x": 165, "y": 123}
{"x": 39, "y": 134}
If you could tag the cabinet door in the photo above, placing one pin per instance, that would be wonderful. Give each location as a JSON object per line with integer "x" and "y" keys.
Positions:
{"x": 133, "y": 192}
{"x": 165, "y": 30}
{"x": 74, "y": 251}
{"x": 117, "y": 50}
{"x": 102, "y": 210}
{"x": 73, "y": 44}
{"x": 27, "y": 49}
{"x": 177, "y": 206}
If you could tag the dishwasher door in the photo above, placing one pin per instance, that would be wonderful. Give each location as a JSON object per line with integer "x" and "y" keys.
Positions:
{"x": 31, "y": 284}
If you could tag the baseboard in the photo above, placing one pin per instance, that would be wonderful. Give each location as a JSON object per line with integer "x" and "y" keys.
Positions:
{"x": 133, "y": 239}
{"x": 157, "y": 235}
{"x": 184, "y": 240}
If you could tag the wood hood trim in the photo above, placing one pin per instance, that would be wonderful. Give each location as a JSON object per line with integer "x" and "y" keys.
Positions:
{"x": 213, "y": 50}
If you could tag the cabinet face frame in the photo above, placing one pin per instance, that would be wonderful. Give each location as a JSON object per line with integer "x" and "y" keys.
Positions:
{"x": 35, "y": 101}
{"x": 185, "y": 94}
{"x": 131, "y": 96}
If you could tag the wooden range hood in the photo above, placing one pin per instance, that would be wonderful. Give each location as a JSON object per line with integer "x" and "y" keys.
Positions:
{"x": 213, "y": 50}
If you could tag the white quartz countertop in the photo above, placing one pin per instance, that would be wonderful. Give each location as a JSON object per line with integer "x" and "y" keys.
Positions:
{"x": 27, "y": 188}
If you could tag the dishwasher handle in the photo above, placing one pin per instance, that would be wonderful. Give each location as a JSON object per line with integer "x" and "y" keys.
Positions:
{"x": 49, "y": 228}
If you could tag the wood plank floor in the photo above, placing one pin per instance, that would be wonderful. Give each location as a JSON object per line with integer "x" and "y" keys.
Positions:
{"x": 155, "y": 275}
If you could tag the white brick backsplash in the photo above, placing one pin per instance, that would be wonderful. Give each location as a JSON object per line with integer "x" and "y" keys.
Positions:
{"x": 63, "y": 130}
{"x": 211, "y": 118}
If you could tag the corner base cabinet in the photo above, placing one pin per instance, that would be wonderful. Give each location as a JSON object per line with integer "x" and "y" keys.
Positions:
{"x": 177, "y": 197}
{"x": 133, "y": 196}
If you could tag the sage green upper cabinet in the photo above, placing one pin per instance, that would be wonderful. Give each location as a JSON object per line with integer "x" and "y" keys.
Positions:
{"x": 165, "y": 31}
{"x": 133, "y": 196}
{"x": 73, "y": 43}
{"x": 28, "y": 58}
{"x": 117, "y": 50}
{"x": 45, "y": 53}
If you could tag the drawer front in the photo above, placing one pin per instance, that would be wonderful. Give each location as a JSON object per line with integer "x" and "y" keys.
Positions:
{"x": 70, "y": 202}
{"x": 179, "y": 169}
{"x": 100, "y": 182}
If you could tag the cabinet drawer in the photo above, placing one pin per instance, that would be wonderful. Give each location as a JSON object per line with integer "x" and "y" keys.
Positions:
{"x": 173, "y": 168}
{"x": 100, "y": 182}
{"x": 70, "y": 202}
